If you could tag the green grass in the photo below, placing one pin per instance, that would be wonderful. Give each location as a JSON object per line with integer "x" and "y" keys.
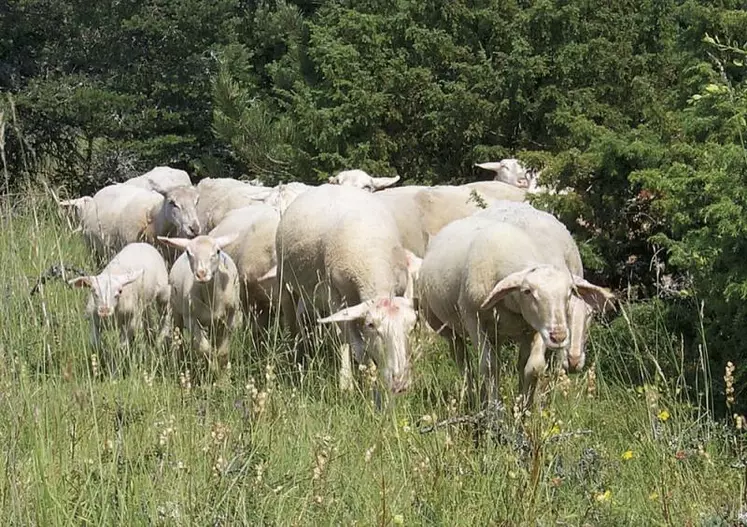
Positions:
{"x": 81, "y": 447}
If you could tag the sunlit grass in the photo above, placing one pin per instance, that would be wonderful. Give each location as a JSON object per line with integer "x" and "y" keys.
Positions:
{"x": 271, "y": 444}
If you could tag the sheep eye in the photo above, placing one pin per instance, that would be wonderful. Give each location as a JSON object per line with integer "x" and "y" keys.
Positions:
{"x": 370, "y": 325}
{"x": 526, "y": 291}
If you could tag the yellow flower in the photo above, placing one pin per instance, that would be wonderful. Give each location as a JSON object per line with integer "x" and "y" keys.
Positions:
{"x": 603, "y": 496}
{"x": 664, "y": 415}
{"x": 628, "y": 454}
{"x": 555, "y": 430}
{"x": 653, "y": 496}
{"x": 398, "y": 519}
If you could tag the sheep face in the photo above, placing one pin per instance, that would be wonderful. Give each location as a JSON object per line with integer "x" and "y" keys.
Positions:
{"x": 181, "y": 210}
{"x": 205, "y": 254}
{"x": 105, "y": 290}
{"x": 383, "y": 326}
{"x": 361, "y": 179}
{"x": 544, "y": 294}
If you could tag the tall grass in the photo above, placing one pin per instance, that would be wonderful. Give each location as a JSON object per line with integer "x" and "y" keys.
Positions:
{"x": 274, "y": 445}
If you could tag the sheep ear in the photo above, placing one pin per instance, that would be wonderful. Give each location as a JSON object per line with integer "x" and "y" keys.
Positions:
{"x": 379, "y": 183}
{"x": 80, "y": 281}
{"x": 597, "y": 297}
{"x": 272, "y": 273}
{"x": 127, "y": 278}
{"x": 222, "y": 265}
{"x": 227, "y": 239}
{"x": 504, "y": 287}
{"x": 179, "y": 243}
{"x": 413, "y": 263}
{"x": 348, "y": 314}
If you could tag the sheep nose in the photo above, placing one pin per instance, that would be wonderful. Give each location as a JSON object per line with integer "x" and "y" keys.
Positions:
{"x": 558, "y": 336}
{"x": 575, "y": 363}
{"x": 201, "y": 275}
{"x": 195, "y": 228}
{"x": 104, "y": 311}
{"x": 400, "y": 383}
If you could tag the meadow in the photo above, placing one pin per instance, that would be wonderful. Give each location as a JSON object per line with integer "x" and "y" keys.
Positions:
{"x": 623, "y": 443}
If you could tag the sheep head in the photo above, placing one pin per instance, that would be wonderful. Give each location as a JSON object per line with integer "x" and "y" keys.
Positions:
{"x": 205, "y": 254}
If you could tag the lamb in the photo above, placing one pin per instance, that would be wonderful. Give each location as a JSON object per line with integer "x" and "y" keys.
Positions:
{"x": 551, "y": 234}
{"x": 135, "y": 278}
{"x": 205, "y": 294}
{"x": 253, "y": 252}
{"x": 161, "y": 178}
{"x": 219, "y": 196}
{"x": 340, "y": 253}
{"x": 359, "y": 178}
{"x": 120, "y": 214}
{"x": 492, "y": 280}
{"x": 282, "y": 195}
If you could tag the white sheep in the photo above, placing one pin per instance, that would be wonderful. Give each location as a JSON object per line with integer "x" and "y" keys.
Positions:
{"x": 339, "y": 252}
{"x": 205, "y": 297}
{"x": 492, "y": 280}
{"x": 77, "y": 208}
{"x": 253, "y": 252}
{"x": 120, "y": 214}
{"x": 133, "y": 280}
{"x": 511, "y": 171}
{"x": 282, "y": 195}
{"x": 219, "y": 196}
{"x": 161, "y": 178}
{"x": 421, "y": 212}
{"x": 550, "y": 233}
{"x": 361, "y": 179}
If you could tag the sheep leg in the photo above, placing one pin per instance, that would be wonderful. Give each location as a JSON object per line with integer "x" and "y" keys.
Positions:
{"x": 531, "y": 365}
{"x": 479, "y": 339}
{"x": 490, "y": 372}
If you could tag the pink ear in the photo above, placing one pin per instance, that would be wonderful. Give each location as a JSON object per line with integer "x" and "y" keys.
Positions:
{"x": 348, "y": 314}
{"x": 597, "y": 297}
{"x": 504, "y": 287}
{"x": 80, "y": 281}
{"x": 179, "y": 243}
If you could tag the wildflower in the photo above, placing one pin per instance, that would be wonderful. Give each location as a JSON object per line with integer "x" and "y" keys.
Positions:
{"x": 591, "y": 381}
{"x": 94, "y": 365}
{"x": 184, "y": 381}
{"x": 148, "y": 380}
{"x": 664, "y": 415}
{"x": 603, "y": 496}
{"x": 564, "y": 382}
{"x": 627, "y": 455}
{"x": 653, "y": 496}
{"x": 398, "y": 519}
{"x": 729, "y": 381}
{"x": 219, "y": 433}
{"x": 369, "y": 453}
{"x": 738, "y": 421}
{"x": 680, "y": 455}
{"x": 556, "y": 481}
{"x": 259, "y": 471}
{"x": 220, "y": 466}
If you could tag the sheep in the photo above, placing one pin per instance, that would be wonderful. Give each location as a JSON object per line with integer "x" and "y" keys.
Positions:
{"x": 135, "y": 278}
{"x": 77, "y": 208}
{"x": 550, "y": 233}
{"x": 161, "y": 178}
{"x": 219, "y": 196}
{"x": 359, "y": 178}
{"x": 511, "y": 171}
{"x": 205, "y": 298}
{"x": 120, "y": 214}
{"x": 282, "y": 195}
{"x": 253, "y": 252}
{"x": 421, "y": 212}
{"x": 492, "y": 280}
{"x": 340, "y": 253}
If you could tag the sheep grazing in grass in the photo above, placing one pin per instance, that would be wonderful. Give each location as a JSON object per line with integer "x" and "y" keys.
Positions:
{"x": 340, "y": 255}
{"x": 253, "y": 252}
{"x": 120, "y": 294}
{"x": 205, "y": 298}
{"x": 121, "y": 214}
{"x": 490, "y": 281}
{"x": 550, "y": 233}
{"x": 361, "y": 179}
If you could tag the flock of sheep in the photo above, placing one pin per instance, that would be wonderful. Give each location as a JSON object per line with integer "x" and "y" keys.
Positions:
{"x": 474, "y": 261}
